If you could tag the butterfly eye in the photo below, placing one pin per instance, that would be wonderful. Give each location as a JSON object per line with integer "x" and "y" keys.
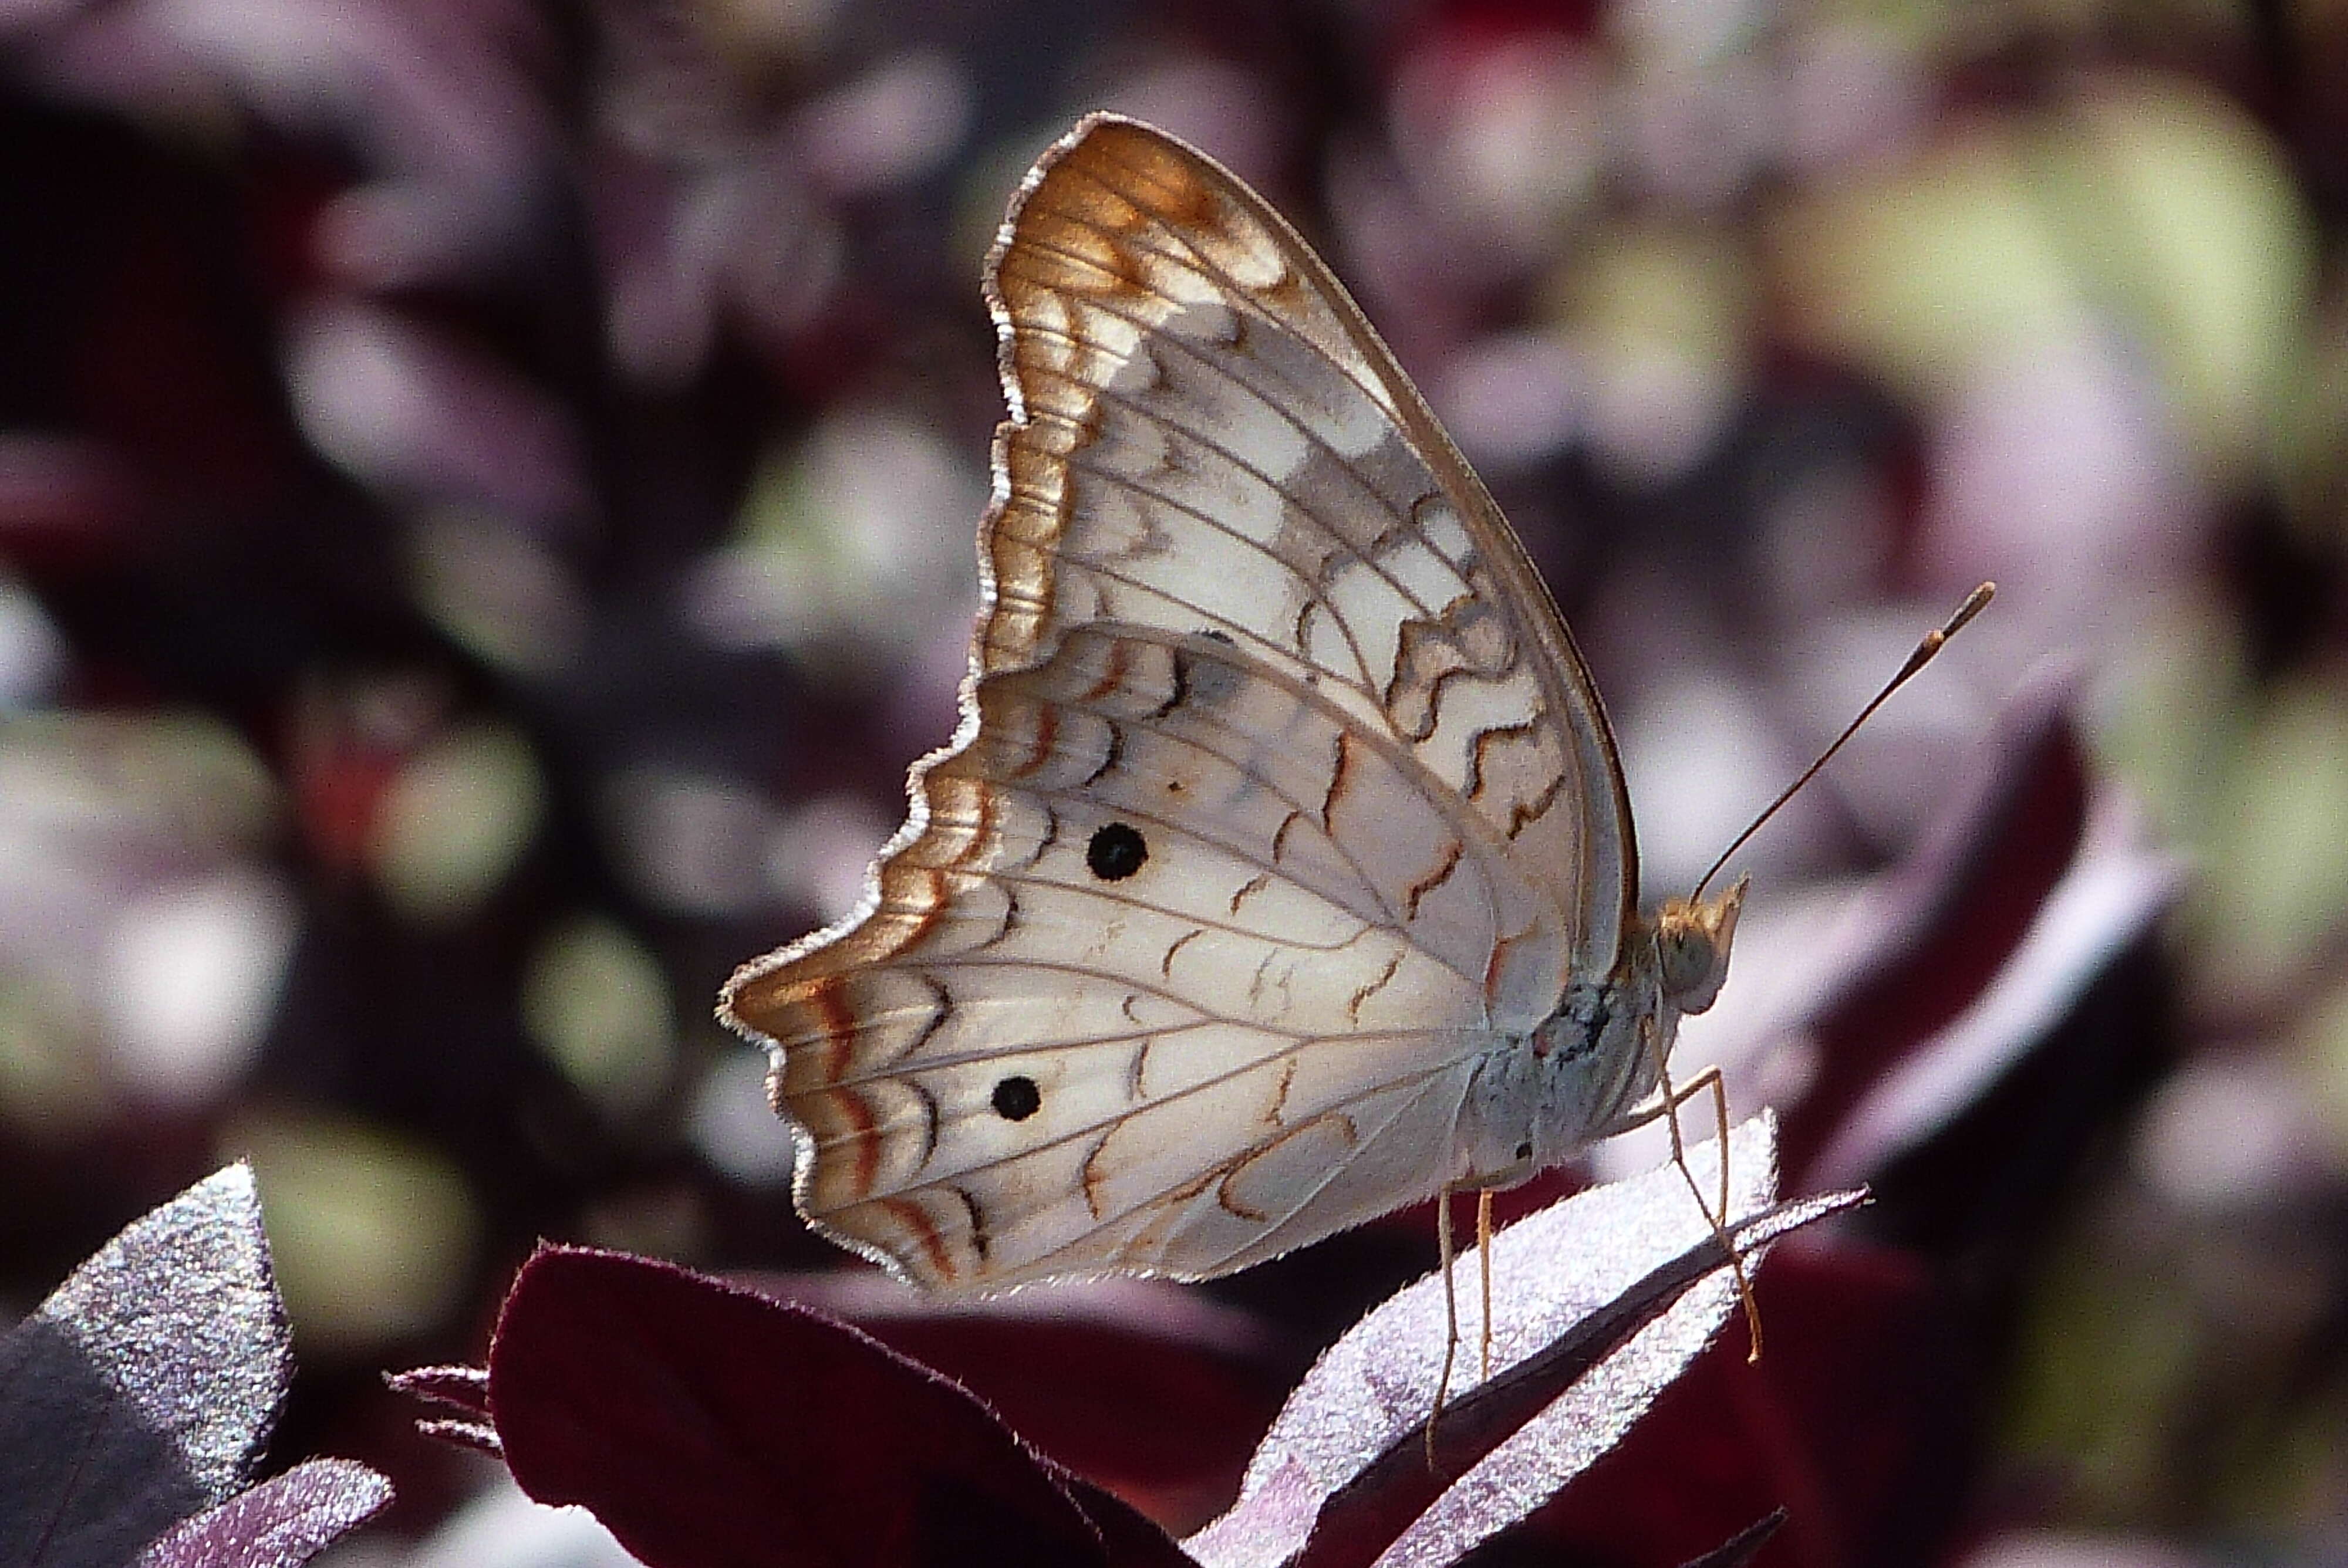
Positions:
{"x": 1116, "y": 853}
{"x": 1688, "y": 957}
{"x": 1017, "y": 1098}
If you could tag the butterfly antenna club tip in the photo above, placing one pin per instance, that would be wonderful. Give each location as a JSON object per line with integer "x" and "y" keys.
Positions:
{"x": 1931, "y": 644}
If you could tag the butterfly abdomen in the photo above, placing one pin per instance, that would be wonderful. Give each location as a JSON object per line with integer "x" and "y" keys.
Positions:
{"x": 1539, "y": 1099}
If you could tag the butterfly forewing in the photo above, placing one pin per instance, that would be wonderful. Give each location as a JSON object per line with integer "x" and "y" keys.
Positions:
{"x": 1215, "y": 435}
{"x": 1280, "y": 792}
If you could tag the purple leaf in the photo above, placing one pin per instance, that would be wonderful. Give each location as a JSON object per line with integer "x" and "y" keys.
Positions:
{"x": 2028, "y": 888}
{"x": 1586, "y": 1332}
{"x": 2002, "y": 1001}
{"x": 1372, "y": 1510}
{"x": 1152, "y": 1389}
{"x": 2106, "y": 901}
{"x": 707, "y": 1426}
{"x": 280, "y": 1523}
{"x": 143, "y": 1389}
{"x": 479, "y": 1436}
{"x": 465, "y": 1388}
{"x": 1740, "y": 1548}
{"x": 1842, "y": 1409}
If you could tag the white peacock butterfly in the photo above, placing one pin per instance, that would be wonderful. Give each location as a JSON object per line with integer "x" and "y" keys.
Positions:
{"x": 1281, "y": 872}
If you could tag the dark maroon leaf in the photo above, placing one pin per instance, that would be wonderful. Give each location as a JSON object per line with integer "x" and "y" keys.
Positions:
{"x": 143, "y": 1389}
{"x": 2030, "y": 886}
{"x": 1133, "y": 1540}
{"x": 1151, "y": 1389}
{"x": 280, "y": 1523}
{"x": 1851, "y": 1421}
{"x": 465, "y": 1388}
{"x": 1739, "y": 1549}
{"x": 708, "y": 1426}
{"x": 2012, "y": 1002}
{"x": 479, "y": 1436}
{"x": 2104, "y": 904}
{"x": 1593, "y": 1315}
{"x": 1374, "y": 1507}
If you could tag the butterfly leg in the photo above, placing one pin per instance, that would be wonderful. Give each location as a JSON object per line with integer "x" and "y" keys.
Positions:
{"x": 1708, "y": 1080}
{"x": 1484, "y": 1270}
{"x": 1444, "y": 1252}
{"x": 1667, "y": 1106}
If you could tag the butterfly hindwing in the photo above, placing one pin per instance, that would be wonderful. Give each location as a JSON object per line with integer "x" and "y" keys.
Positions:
{"x": 1126, "y": 922}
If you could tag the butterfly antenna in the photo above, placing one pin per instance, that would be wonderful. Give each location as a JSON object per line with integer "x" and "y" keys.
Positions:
{"x": 1935, "y": 641}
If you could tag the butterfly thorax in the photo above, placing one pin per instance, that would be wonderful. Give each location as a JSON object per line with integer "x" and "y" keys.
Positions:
{"x": 1538, "y": 1100}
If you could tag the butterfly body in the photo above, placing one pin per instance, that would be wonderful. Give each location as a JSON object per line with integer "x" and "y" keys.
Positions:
{"x": 1281, "y": 872}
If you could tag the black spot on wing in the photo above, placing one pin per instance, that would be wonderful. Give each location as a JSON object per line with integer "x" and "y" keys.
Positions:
{"x": 1117, "y": 852}
{"x": 1016, "y": 1097}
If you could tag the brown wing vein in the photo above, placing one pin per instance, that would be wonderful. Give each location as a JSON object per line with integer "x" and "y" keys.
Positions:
{"x": 1175, "y": 1097}
{"x": 1466, "y": 821}
{"x": 1202, "y": 925}
{"x": 1395, "y": 756}
{"x": 1404, "y": 518}
{"x": 897, "y": 1067}
{"x": 1338, "y": 1167}
{"x": 1598, "y": 912}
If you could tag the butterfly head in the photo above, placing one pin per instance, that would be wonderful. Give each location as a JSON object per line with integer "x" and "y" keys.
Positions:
{"x": 1692, "y": 937}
